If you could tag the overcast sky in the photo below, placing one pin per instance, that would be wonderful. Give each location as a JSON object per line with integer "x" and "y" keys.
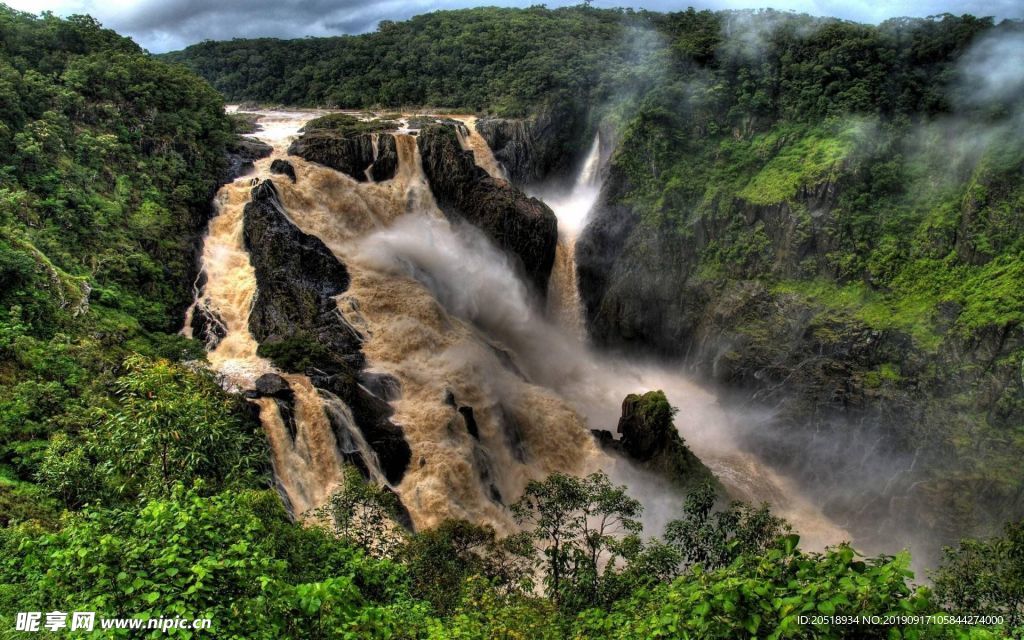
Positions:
{"x": 165, "y": 25}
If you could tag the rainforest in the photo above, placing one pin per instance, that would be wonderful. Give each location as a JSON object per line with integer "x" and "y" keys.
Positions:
{"x": 515, "y": 323}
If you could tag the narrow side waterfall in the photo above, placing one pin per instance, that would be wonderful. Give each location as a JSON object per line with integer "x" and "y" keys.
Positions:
{"x": 572, "y": 208}
{"x": 471, "y": 140}
{"x": 491, "y": 391}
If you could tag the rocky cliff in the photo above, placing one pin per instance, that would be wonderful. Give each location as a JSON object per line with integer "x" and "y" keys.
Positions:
{"x": 522, "y": 226}
{"x": 542, "y": 148}
{"x": 748, "y": 287}
{"x": 296, "y": 320}
{"x": 352, "y": 154}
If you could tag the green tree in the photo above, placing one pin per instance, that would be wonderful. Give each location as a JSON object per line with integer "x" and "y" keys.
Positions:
{"x": 441, "y": 560}
{"x": 578, "y": 525}
{"x": 365, "y": 514}
{"x": 985, "y": 577}
{"x": 232, "y": 557}
{"x": 713, "y": 539}
{"x": 172, "y": 424}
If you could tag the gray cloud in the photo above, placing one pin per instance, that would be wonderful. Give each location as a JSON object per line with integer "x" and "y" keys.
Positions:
{"x": 164, "y": 25}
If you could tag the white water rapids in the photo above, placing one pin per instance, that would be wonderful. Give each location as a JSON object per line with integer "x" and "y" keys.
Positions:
{"x": 443, "y": 311}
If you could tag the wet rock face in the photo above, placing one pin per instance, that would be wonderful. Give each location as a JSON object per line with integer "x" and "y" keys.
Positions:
{"x": 351, "y": 154}
{"x": 241, "y": 154}
{"x": 522, "y": 226}
{"x": 207, "y": 325}
{"x": 296, "y": 320}
{"x": 542, "y": 148}
{"x": 295, "y": 317}
{"x": 283, "y": 167}
{"x": 271, "y": 385}
{"x": 386, "y": 164}
{"x": 649, "y": 437}
{"x": 372, "y": 416}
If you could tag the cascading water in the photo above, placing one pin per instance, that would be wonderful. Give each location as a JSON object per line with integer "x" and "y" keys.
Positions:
{"x": 572, "y": 208}
{"x": 471, "y": 140}
{"x": 492, "y": 392}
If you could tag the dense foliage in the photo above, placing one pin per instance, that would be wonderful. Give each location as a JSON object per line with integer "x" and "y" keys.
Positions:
{"x": 840, "y": 204}
{"x": 109, "y": 162}
{"x": 503, "y": 60}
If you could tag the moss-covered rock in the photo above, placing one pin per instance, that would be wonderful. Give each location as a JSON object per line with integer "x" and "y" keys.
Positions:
{"x": 649, "y": 437}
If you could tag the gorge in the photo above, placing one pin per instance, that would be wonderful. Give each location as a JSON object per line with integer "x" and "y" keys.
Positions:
{"x": 452, "y": 336}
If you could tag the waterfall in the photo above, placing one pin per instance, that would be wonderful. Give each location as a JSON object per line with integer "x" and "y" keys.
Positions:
{"x": 471, "y": 140}
{"x": 572, "y": 208}
{"x": 494, "y": 392}
{"x": 351, "y": 441}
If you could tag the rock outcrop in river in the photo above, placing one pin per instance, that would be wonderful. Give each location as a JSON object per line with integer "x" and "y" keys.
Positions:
{"x": 522, "y": 226}
{"x": 295, "y": 319}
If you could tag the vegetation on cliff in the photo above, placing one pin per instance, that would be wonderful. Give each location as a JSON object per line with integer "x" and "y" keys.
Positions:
{"x": 110, "y": 159}
{"x": 828, "y": 215}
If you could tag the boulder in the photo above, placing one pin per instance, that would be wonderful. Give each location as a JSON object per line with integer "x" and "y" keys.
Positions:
{"x": 274, "y": 386}
{"x": 649, "y": 438}
{"x": 283, "y": 167}
{"x": 522, "y": 226}
{"x": 351, "y": 155}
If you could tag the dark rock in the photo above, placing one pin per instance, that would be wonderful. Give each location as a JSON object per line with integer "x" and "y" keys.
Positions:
{"x": 401, "y": 513}
{"x": 646, "y": 424}
{"x": 372, "y": 415}
{"x": 383, "y": 385}
{"x": 207, "y": 325}
{"x": 649, "y": 437}
{"x": 295, "y": 317}
{"x": 286, "y": 407}
{"x": 449, "y": 398}
{"x": 386, "y": 163}
{"x": 485, "y": 471}
{"x": 513, "y": 432}
{"x": 543, "y": 148}
{"x": 523, "y": 227}
{"x": 241, "y": 153}
{"x": 274, "y": 386}
{"x": 283, "y": 167}
{"x": 598, "y": 251}
{"x": 470, "y": 420}
{"x": 351, "y": 155}
{"x": 296, "y": 320}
